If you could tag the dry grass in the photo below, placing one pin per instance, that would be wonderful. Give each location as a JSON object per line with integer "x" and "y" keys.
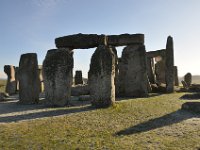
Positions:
{"x": 146, "y": 123}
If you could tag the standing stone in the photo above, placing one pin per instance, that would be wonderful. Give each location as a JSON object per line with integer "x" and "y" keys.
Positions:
{"x": 29, "y": 87}
{"x": 17, "y": 78}
{"x": 11, "y": 83}
{"x": 134, "y": 72}
{"x": 101, "y": 77}
{"x": 176, "y": 80}
{"x": 150, "y": 70}
{"x": 188, "y": 79}
{"x": 58, "y": 74}
{"x": 160, "y": 70}
{"x": 41, "y": 78}
{"x": 169, "y": 66}
{"x": 116, "y": 71}
{"x": 78, "y": 77}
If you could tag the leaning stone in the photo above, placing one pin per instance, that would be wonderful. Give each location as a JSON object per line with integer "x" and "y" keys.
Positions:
{"x": 169, "y": 66}
{"x": 57, "y": 74}
{"x": 11, "y": 82}
{"x": 188, "y": 79}
{"x": 150, "y": 70}
{"x": 80, "y": 90}
{"x": 101, "y": 77}
{"x": 134, "y": 72}
{"x": 29, "y": 87}
{"x": 78, "y": 77}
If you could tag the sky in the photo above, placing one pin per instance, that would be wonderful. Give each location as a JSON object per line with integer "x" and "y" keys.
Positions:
{"x": 31, "y": 26}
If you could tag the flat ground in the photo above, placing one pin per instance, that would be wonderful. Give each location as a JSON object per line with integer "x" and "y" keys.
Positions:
{"x": 143, "y": 123}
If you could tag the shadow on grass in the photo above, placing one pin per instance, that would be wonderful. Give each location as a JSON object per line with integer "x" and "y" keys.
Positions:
{"x": 193, "y": 96}
{"x": 42, "y": 114}
{"x": 166, "y": 120}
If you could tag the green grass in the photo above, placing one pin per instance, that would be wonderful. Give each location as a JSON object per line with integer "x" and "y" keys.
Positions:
{"x": 145, "y": 123}
{"x": 2, "y": 85}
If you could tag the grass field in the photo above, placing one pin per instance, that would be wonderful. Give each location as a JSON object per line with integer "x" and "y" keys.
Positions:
{"x": 146, "y": 123}
{"x": 2, "y": 85}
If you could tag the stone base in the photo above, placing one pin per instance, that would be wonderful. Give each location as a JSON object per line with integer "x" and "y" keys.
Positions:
{"x": 191, "y": 106}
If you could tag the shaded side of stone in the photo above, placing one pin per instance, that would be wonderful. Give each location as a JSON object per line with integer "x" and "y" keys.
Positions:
{"x": 11, "y": 82}
{"x": 176, "y": 80}
{"x": 169, "y": 65}
{"x": 160, "y": 70}
{"x": 78, "y": 77}
{"x": 17, "y": 78}
{"x": 58, "y": 74}
{"x": 188, "y": 79}
{"x": 101, "y": 77}
{"x": 29, "y": 85}
{"x": 151, "y": 70}
{"x": 133, "y": 72}
{"x": 78, "y": 90}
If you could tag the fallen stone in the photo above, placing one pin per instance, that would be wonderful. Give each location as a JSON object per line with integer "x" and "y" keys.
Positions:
{"x": 191, "y": 106}
{"x": 81, "y": 89}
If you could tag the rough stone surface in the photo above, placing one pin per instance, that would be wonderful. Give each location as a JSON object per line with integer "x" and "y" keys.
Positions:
{"x": 82, "y": 41}
{"x": 169, "y": 65}
{"x": 78, "y": 77}
{"x": 101, "y": 77}
{"x": 29, "y": 87}
{"x": 133, "y": 72}
{"x": 151, "y": 70}
{"x": 188, "y": 79}
{"x": 11, "y": 82}
{"x": 41, "y": 78}
{"x": 57, "y": 74}
{"x": 80, "y": 90}
{"x": 160, "y": 70}
{"x": 176, "y": 80}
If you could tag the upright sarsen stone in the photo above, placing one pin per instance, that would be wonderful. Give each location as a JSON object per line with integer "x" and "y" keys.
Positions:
{"x": 176, "y": 80}
{"x": 101, "y": 77}
{"x": 78, "y": 77}
{"x": 11, "y": 82}
{"x": 58, "y": 74}
{"x": 169, "y": 66}
{"x": 29, "y": 85}
{"x": 133, "y": 61}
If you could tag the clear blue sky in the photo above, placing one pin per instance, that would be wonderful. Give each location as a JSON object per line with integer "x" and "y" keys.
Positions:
{"x": 32, "y": 25}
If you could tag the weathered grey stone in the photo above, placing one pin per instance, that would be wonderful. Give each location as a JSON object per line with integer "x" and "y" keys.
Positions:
{"x": 17, "y": 78}
{"x": 101, "y": 77}
{"x": 57, "y": 74}
{"x": 151, "y": 70}
{"x": 78, "y": 77}
{"x": 176, "y": 80}
{"x": 41, "y": 78}
{"x": 116, "y": 71}
{"x": 160, "y": 71}
{"x": 11, "y": 83}
{"x": 169, "y": 65}
{"x": 133, "y": 70}
{"x": 152, "y": 54}
{"x": 82, "y": 41}
{"x": 80, "y": 89}
{"x": 29, "y": 87}
{"x": 188, "y": 79}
